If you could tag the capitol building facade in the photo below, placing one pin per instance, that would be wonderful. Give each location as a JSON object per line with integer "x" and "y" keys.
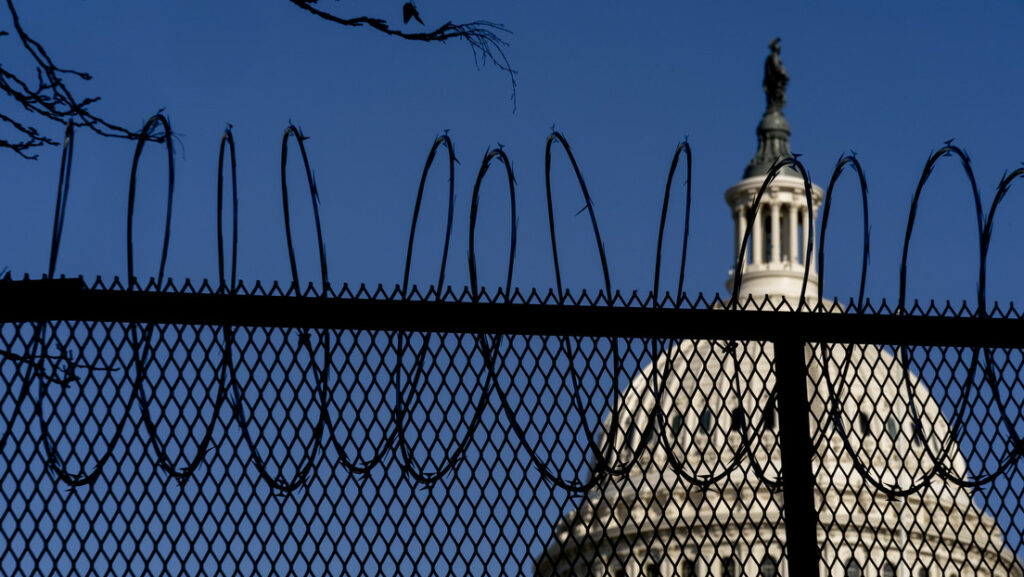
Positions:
{"x": 699, "y": 499}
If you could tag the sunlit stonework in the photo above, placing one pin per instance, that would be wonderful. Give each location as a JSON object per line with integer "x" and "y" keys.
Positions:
{"x": 655, "y": 523}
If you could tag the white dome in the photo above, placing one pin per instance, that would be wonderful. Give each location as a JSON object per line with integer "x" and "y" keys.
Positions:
{"x": 654, "y": 517}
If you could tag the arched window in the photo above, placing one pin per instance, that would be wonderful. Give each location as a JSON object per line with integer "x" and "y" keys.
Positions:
{"x": 769, "y": 567}
{"x": 800, "y": 246}
{"x": 892, "y": 427}
{"x": 865, "y": 423}
{"x": 652, "y": 570}
{"x": 852, "y": 568}
{"x": 689, "y": 569}
{"x": 888, "y": 570}
{"x": 922, "y": 572}
{"x": 706, "y": 418}
{"x": 736, "y": 421}
{"x": 676, "y": 424}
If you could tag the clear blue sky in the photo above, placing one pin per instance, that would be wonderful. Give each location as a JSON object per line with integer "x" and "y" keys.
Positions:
{"x": 624, "y": 84}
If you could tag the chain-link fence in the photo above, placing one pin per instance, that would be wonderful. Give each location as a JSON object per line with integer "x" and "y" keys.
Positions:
{"x": 189, "y": 431}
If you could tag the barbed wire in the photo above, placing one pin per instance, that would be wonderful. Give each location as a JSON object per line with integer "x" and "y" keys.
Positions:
{"x": 407, "y": 382}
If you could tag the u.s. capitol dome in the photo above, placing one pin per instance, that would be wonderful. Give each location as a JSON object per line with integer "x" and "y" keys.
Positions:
{"x": 700, "y": 500}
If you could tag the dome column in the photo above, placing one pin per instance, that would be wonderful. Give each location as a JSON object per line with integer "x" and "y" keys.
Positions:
{"x": 758, "y": 238}
{"x": 803, "y": 241}
{"x": 776, "y": 226}
{"x": 794, "y": 249}
{"x": 740, "y": 216}
{"x": 715, "y": 570}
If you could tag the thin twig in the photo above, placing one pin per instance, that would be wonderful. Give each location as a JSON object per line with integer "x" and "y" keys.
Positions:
{"x": 49, "y": 98}
{"x": 483, "y": 37}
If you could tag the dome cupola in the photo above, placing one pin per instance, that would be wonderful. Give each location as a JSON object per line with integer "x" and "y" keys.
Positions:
{"x": 774, "y": 258}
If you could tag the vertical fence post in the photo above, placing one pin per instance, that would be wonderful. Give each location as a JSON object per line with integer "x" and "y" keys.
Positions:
{"x": 801, "y": 518}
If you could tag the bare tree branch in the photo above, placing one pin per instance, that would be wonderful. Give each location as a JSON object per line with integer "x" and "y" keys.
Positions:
{"x": 49, "y": 98}
{"x": 483, "y": 37}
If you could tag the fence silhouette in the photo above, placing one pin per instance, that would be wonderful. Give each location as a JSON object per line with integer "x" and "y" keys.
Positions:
{"x": 220, "y": 428}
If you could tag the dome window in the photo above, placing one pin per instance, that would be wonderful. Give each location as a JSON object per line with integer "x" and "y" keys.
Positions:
{"x": 892, "y": 428}
{"x": 769, "y": 567}
{"x": 888, "y": 570}
{"x": 864, "y": 422}
{"x": 769, "y": 417}
{"x": 736, "y": 421}
{"x": 852, "y": 568}
{"x": 689, "y": 569}
{"x": 676, "y": 424}
{"x": 706, "y": 420}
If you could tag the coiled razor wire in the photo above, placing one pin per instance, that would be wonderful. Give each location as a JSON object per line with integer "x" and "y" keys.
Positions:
{"x": 407, "y": 383}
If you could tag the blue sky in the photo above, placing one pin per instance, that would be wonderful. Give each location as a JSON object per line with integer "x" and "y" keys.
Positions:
{"x": 625, "y": 85}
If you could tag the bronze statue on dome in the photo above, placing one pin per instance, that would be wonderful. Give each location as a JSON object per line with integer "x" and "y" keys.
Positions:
{"x": 775, "y": 78}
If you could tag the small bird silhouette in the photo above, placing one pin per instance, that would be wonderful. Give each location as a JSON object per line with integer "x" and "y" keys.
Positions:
{"x": 409, "y": 12}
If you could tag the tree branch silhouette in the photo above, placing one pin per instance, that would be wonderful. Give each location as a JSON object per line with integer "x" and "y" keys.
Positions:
{"x": 483, "y": 37}
{"x": 48, "y": 97}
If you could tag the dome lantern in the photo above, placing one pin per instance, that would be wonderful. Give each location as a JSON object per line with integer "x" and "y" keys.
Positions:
{"x": 774, "y": 259}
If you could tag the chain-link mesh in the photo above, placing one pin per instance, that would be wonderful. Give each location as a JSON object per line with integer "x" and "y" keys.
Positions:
{"x": 918, "y": 467}
{"x": 253, "y": 448}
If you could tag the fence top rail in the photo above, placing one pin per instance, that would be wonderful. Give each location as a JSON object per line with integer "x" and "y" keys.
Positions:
{"x": 71, "y": 300}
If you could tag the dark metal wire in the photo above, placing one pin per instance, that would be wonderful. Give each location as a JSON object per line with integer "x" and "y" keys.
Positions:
{"x": 844, "y": 161}
{"x": 603, "y": 455}
{"x": 835, "y": 408}
{"x": 559, "y": 138}
{"x": 605, "y": 462}
{"x": 407, "y": 398}
{"x": 1017, "y": 444}
{"x": 63, "y": 191}
{"x": 147, "y": 135}
{"x": 405, "y": 361}
{"x": 446, "y": 142}
{"x": 142, "y": 348}
{"x": 227, "y": 144}
{"x": 313, "y": 445}
{"x": 486, "y": 345}
{"x": 659, "y": 348}
{"x": 34, "y": 370}
{"x": 228, "y": 388}
{"x": 957, "y": 420}
{"x": 683, "y": 148}
{"x": 293, "y": 131}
